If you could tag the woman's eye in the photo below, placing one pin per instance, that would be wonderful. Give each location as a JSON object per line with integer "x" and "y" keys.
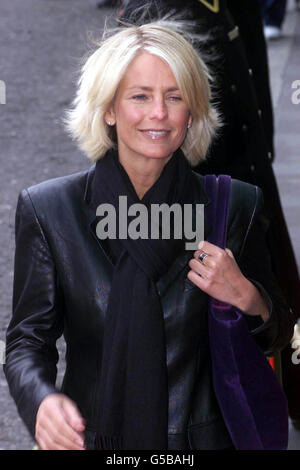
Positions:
{"x": 139, "y": 97}
{"x": 142, "y": 97}
{"x": 175, "y": 98}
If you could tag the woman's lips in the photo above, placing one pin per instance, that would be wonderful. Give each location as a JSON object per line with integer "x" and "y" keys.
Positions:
{"x": 154, "y": 134}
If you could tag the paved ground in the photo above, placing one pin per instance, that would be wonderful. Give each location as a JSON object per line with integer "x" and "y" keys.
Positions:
{"x": 41, "y": 42}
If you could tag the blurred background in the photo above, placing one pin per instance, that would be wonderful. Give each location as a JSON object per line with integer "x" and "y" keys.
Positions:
{"x": 41, "y": 44}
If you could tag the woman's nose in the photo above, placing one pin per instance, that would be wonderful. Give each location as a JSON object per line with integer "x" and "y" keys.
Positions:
{"x": 159, "y": 109}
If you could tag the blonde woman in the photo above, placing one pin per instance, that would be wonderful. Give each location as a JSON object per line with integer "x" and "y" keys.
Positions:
{"x": 133, "y": 310}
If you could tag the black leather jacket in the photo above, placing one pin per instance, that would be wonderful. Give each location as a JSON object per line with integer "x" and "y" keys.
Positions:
{"x": 62, "y": 283}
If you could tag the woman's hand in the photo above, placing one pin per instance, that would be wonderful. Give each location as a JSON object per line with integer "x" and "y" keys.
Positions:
{"x": 220, "y": 277}
{"x": 59, "y": 424}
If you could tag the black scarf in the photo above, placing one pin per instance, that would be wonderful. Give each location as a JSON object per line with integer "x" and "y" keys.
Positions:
{"x": 133, "y": 385}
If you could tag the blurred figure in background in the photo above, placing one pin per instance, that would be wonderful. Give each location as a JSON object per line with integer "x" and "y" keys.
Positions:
{"x": 273, "y": 13}
{"x": 244, "y": 147}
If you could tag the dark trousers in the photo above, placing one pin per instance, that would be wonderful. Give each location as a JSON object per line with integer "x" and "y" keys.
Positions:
{"x": 273, "y": 12}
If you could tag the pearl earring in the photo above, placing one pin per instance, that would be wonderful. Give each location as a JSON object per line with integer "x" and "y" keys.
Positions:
{"x": 109, "y": 123}
{"x": 189, "y": 125}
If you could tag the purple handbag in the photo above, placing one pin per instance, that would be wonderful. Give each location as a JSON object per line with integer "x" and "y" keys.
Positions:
{"x": 252, "y": 402}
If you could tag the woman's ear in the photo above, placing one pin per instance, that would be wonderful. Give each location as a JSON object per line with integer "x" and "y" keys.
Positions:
{"x": 190, "y": 120}
{"x": 110, "y": 117}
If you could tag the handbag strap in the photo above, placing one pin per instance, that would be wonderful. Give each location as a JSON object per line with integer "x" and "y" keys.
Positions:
{"x": 218, "y": 189}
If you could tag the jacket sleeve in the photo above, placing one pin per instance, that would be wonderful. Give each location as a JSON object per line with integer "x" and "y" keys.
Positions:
{"x": 255, "y": 263}
{"x": 36, "y": 323}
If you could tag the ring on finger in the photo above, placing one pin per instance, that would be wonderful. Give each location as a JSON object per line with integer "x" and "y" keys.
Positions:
{"x": 202, "y": 256}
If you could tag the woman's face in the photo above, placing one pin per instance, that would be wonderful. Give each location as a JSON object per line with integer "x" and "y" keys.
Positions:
{"x": 150, "y": 116}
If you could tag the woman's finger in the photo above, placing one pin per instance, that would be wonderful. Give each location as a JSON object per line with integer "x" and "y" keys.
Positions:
{"x": 229, "y": 252}
{"x": 197, "y": 279}
{"x": 53, "y": 422}
{"x": 67, "y": 444}
{"x": 48, "y": 444}
{"x": 199, "y": 268}
{"x": 57, "y": 431}
{"x": 73, "y": 415}
{"x": 209, "y": 248}
{"x": 68, "y": 434}
{"x": 205, "y": 259}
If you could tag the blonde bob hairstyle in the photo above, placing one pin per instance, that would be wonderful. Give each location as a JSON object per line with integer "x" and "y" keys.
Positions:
{"x": 104, "y": 69}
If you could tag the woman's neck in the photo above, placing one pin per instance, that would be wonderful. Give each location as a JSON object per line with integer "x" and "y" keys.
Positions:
{"x": 143, "y": 172}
